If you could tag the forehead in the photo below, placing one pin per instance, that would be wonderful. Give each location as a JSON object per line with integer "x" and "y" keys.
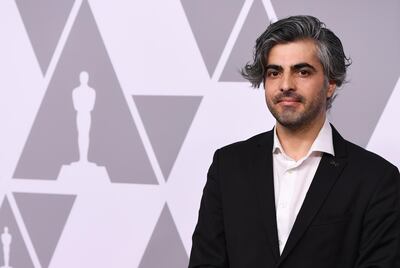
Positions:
{"x": 289, "y": 54}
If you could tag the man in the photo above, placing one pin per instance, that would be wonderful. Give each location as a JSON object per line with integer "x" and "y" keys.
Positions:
{"x": 299, "y": 195}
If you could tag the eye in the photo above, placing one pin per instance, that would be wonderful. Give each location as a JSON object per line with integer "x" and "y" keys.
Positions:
{"x": 304, "y": 73}
{"x": 272, "y": 73}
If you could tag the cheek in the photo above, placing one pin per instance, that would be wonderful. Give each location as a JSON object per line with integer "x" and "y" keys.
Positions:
{"x": 312, "y": 88}
{"x": 270, "y": 88}
{"x": 271, "y": 84}
{"x": 309, "y": 83}
{"x": 267, "y": 94}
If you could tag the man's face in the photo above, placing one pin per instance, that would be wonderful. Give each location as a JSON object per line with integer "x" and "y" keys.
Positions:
{"x": 295, "y": 86}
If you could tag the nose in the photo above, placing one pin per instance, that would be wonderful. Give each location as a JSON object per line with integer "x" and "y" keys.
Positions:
{"x": 287, "y": 83}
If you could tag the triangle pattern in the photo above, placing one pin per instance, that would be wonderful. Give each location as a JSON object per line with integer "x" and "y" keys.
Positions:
{"x": 165, "y": 248}
{"x": 114, "y": 139}
{"x": 384, "y": 140}
{"x": 167, "y": 120}
{"x": 18, "y": 254}
{"x": 44, "y": 231}
{"x": 256, "y": 22}
{"x": 44, "y": 22}
{"x": 212, "y": 23}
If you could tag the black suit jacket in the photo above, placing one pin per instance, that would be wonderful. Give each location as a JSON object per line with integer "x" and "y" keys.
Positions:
{"x": 349, "y": 218}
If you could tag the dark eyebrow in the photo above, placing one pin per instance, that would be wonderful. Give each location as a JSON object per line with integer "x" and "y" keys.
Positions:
{"x": 303, "y": 65}
{"x": 273, "y": 66}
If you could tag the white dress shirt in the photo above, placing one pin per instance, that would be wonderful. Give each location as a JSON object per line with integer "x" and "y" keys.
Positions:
{"x": 292, "y": 179}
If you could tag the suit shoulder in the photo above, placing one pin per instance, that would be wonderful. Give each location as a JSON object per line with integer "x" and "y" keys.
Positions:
{"x": 367, "y": 158}
{"x": 244, "y": 146}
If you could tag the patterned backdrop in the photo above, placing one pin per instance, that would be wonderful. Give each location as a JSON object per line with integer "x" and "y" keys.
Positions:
{"x": 164, "y": 92}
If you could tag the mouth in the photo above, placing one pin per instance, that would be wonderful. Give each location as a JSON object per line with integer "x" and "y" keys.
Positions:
{"x": 288, "y": 98}
{"x": 288, "y": 101}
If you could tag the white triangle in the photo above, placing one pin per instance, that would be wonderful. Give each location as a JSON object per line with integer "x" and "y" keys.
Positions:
{"x": 385, "y": 139}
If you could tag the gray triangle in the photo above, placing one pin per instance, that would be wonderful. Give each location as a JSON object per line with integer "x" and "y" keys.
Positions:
{"x": 167, "y": 120}
{"x": 212, "y": 23}
{"x": 357, "y": 109}
{"x": 45, "y": 216}
{"x": 165, "y": 248}
{"x": 256, "y": 22}
{"x": 44, "y": 22}
{"x": 19, "y": 255}
{"x": 114, "y": 139}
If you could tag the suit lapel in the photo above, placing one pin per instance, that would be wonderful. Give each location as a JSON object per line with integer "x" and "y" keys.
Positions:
{"x": 264, "y": 184}
{"x": 329, "y": 169}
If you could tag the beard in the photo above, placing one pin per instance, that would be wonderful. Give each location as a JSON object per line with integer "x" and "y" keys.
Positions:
{"x": 290, "y": 117}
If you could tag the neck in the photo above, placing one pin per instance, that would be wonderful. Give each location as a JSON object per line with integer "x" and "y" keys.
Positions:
{"x": 297, "y": 142}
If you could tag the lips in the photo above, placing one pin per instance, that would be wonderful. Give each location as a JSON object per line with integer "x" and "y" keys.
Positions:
{"x": 289, "y": 100}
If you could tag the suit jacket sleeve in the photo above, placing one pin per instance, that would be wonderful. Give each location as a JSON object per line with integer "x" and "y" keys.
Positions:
{"x": 209, "y": 246}
{"x": 380, "y": 240}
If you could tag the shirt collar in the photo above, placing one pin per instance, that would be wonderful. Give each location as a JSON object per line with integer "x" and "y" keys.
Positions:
{"x": 323, "y": 143}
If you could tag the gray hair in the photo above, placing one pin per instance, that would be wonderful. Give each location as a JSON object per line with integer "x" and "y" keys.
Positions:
{"x": 329, "y": 49}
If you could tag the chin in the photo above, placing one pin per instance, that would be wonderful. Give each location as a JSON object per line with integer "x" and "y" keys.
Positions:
{"x": 291, "y": 120}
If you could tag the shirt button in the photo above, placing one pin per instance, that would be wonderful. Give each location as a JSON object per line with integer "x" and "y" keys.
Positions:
{"x": 282, "y": 205}
{"x": 290, "y": 171}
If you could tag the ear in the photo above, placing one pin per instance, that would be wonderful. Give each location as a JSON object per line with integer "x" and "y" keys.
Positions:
{"x": 331, "y": 89}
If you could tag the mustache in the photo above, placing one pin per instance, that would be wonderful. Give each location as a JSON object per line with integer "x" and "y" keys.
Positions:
{"x": 287, "y": 94}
